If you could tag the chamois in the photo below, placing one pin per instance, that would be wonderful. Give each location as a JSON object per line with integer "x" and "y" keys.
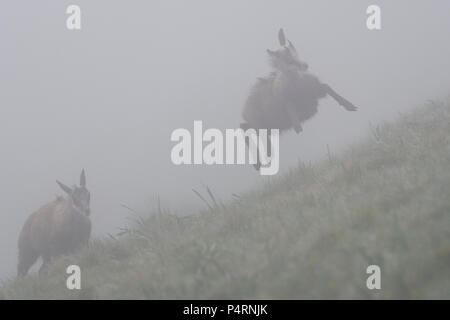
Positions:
{"x": 57, "y": 228}
{"x": 288, "y": 96}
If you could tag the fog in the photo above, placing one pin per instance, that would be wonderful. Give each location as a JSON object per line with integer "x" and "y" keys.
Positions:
{"x": 106, "y": 98}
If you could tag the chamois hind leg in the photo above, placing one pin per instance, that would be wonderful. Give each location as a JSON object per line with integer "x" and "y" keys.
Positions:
{"x": 268, "y": 150}
{"x": 27, "y": 257}
{"x": 245, "y": 126}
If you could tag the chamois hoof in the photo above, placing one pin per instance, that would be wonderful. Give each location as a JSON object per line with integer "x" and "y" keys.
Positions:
{"x": 298, "y": 129}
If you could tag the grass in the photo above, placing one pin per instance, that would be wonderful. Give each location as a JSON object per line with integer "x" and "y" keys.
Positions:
{"x": 309, "y": 234}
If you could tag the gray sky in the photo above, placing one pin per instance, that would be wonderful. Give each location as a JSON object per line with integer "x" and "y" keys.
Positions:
{"x": 107, "y": 98}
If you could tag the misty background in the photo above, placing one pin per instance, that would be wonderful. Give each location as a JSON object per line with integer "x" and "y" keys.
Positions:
{"x": 106, "y": 98}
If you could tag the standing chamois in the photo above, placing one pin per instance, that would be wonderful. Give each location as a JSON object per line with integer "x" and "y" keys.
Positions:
{"x": 288, "y": 96}
{"x": 59, "y": 227}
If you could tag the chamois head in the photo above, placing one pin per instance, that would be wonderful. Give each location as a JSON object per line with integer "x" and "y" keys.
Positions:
{"x": 79, "y": 197}
{"x": 286, "y": 58}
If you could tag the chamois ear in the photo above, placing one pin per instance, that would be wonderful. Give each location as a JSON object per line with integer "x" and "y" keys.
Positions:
{"x": 281, "y": 37}
{"x": 82, "y": 179}
{"x": 64, "y": 187}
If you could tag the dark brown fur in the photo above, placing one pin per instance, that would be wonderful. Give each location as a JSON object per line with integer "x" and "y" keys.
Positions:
{"x": 59, "y": 227}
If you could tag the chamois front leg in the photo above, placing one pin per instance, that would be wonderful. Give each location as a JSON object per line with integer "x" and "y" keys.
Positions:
{"x": 293, "y": 116}
{"x": 341, "y": 100}
{"x": 43, "y": 270}
{"x": 245, "y": 126}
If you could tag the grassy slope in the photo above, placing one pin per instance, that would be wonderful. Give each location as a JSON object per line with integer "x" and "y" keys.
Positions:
{"x": 309, "y": 234}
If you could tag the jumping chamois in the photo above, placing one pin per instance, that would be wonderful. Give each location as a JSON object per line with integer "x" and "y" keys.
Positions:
{"x": 288, "y": 96}
{"x": 59, "y": 227}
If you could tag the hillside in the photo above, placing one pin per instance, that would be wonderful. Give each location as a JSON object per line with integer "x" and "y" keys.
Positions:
{"x": 309, "y": 234}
